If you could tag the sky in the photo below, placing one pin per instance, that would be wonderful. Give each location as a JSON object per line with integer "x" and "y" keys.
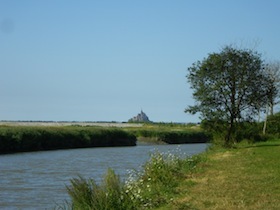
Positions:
{"x": 96, "y": 60}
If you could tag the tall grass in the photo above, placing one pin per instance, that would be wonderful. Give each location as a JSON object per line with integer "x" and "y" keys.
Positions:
{"x": 20, "y": 139}
{"x": 110, "y": 194}
{"x": 150, "y": 187}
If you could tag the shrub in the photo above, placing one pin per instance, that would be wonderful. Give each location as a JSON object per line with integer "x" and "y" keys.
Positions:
{"x": 273, "y": 124}
{"x": 250, "y": 131}
{"x": 183, "y": 137}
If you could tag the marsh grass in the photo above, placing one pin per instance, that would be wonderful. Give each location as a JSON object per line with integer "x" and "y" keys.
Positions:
{"x": 152, "y": 186}
{"x": 23, "y": 138}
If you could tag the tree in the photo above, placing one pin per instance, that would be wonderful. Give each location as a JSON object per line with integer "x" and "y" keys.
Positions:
{"x": 228, "y": 87}
{"x": 272, "y": 71}
{"x": 273, "y": 84}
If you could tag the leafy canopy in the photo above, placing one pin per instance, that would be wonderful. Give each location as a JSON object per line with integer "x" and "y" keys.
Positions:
{"x": 229, "y": 86}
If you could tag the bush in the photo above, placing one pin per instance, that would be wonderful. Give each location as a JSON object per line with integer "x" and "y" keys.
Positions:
{"x": 273, "y": 124}
{"x": 183, "y": 137}
{"x": 171, "y": 134}
{"x": 249, "y": 131}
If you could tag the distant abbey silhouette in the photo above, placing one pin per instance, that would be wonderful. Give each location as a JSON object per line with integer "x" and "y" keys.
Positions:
{"x": 141, "y": 117}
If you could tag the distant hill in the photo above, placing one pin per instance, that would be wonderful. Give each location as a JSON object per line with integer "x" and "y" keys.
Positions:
{"x": 141, "y": 117}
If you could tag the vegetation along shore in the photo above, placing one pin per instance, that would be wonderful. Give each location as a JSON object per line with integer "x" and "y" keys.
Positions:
{"x": 22, "y": 137}
{"x": 244, "y": 177}
{"x": 36, "y": 138}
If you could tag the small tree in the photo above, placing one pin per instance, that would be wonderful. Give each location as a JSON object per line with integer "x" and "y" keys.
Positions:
{"x": 229, "y": 87}
{"x": 273, "y": 86}
{"x": 272, "y": 71}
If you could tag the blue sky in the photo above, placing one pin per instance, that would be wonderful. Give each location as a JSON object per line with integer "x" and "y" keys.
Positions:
{"x": 107, "y": 60}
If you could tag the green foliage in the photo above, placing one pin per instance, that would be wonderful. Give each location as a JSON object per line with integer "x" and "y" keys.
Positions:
{"x": 110, "y": 194}
{"x": 150, "y": 188}
{"x": 172, "y": 133}
{"x": 183, "y": 137}
{"x": 34, "y": 138}
{"x": 20, "y": 139}
{"x": 273, "y": 124}
{"x": 159, "y": 181}
{"x": 249, "y": 131}
{"x": 229, "y": 87}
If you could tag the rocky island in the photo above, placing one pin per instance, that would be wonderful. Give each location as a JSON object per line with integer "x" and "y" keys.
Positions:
{"x": 141, "y": 117}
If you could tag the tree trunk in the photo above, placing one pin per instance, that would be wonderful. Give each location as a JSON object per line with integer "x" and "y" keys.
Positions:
{"x": 265, "y": 120}
{"x": 264, "y": 126}
{"x": 228, "y": 140}
{"x": 271, "y": 109}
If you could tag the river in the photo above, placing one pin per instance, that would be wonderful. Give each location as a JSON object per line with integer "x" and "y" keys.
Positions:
{"x": 38, "y": 180}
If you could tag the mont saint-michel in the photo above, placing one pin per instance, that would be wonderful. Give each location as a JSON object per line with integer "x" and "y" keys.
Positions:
{"x": 141, "y": 117}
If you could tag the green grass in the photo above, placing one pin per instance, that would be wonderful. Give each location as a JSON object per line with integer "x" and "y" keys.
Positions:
{"x": 242, "y": 178}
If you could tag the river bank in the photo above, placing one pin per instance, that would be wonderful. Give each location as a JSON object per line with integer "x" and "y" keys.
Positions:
{"x": 38, "y": 136}
{"x": 243, "y": 178}
{"x": 246, "y": 177}
{"x": 15, "y": 139}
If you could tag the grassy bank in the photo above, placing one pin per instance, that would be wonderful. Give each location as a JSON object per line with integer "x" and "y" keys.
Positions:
{"x": 149, "y": 188}
{"x": 35, "y": 138}
{"x": 242, "y": 178}
{"x": 246, "y": 177}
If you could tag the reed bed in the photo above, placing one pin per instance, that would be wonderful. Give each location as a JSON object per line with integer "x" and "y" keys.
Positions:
{"x": 21, "y": 138}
